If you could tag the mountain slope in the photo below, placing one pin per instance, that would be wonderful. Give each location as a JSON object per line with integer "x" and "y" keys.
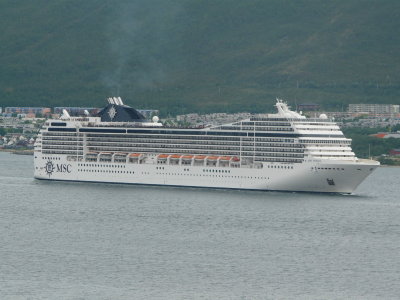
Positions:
{"x": 188, "y": 55}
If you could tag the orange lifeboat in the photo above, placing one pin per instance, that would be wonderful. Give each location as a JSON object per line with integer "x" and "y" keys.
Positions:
{"x": 135, "y": 154}
{"x": 236, "y": 159}
{"x": 163, "y": 156}
{"x": 187, "y": 157}
{"x": 176, "y": 156}
{"x": 200, "y": 157}
{"x": 212, "y": 157}
{"x": 225, "y": 158}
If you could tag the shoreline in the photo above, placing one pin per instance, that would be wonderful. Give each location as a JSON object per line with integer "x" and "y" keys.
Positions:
{"x": 17, "y": 151}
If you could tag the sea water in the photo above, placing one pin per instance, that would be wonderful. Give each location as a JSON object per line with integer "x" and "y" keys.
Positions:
{"x": 101, "y": 241}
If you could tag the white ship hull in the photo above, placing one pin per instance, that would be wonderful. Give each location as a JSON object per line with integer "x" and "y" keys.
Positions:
{"x": 279, "y": 152}
{"x": 317, "y": 176}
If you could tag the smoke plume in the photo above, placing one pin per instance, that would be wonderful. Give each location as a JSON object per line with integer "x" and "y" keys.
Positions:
{"x": 140, "y": 44}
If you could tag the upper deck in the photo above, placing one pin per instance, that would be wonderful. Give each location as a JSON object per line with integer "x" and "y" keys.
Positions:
{"x": 283, "y": 137}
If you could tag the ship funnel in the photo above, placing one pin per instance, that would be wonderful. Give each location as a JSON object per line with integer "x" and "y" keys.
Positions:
{"x": 116, "y": 101}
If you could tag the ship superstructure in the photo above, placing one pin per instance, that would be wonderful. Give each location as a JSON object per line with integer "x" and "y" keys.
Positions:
{"x": 284, "y": 151}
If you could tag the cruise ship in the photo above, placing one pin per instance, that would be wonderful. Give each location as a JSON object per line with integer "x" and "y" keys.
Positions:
{"x": 284, "y": 151}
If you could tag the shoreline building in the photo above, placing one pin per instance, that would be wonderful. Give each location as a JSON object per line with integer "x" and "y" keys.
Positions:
{"x": 374, "y": 109}
{"x": 27, "y": 110}
{"x": 76, "y": 111}
{"x": 308, "y": 107}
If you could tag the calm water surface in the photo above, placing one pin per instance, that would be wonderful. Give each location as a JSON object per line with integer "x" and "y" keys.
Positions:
{"x": 101, "y": 241}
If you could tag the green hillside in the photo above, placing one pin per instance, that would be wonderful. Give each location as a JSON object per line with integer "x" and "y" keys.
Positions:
{"x": 187, "y": 55}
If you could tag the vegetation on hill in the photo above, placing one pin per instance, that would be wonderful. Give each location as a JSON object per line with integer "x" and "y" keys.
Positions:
{"x": 364, "y": 145}
{"x": 183, "y": 56}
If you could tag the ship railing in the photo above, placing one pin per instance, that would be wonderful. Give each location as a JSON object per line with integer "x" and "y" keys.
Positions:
{"x": 92, "y": 156}
{"x": 122, "y": 125}
{"x": 119, "y": 157}
{"x": 105, "y": 156}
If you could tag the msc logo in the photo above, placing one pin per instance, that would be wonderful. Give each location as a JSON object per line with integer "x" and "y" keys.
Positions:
{"x": 63, "y": 168}
{"x": 50, "y": 168}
